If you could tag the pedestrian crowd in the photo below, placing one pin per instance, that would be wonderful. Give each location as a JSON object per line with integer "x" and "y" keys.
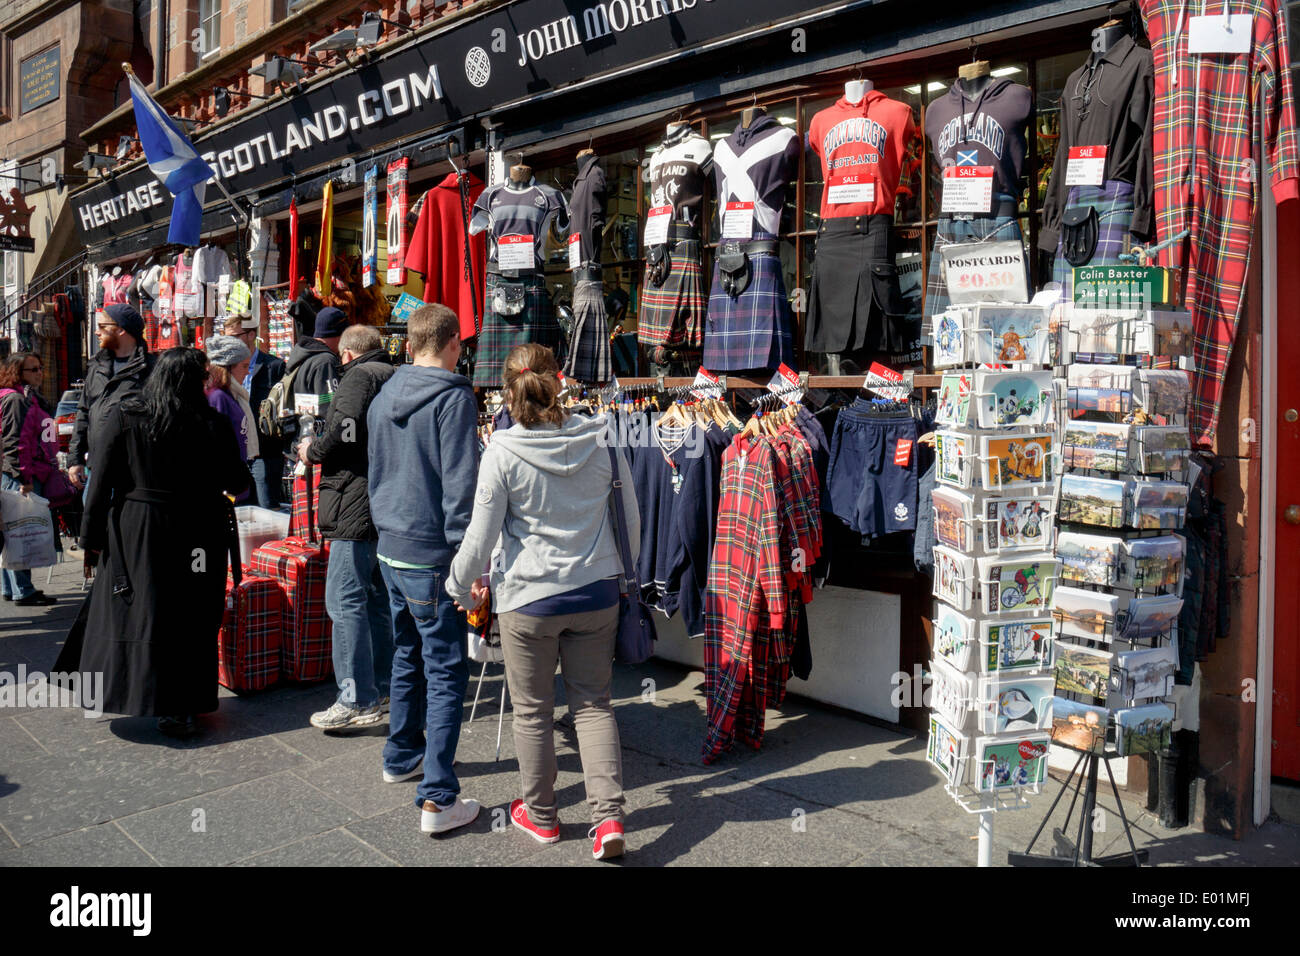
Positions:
{"x": 424, "y": 526}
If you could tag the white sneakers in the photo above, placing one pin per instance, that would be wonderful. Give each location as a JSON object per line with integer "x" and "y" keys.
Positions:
{"x": 459, "y": 814}
{"x": 403, "y": 777}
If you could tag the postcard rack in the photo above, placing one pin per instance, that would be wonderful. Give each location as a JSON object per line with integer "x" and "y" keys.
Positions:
{"x": 994, "y": 509}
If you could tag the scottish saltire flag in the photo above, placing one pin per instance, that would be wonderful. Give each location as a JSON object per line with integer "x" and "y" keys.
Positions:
{"x": 173, "y": 159}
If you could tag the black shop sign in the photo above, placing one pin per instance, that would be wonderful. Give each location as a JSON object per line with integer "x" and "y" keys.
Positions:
{"x": 504, "y": 57}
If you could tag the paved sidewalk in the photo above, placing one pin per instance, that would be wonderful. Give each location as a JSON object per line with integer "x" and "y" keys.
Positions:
{"x": 261, "y": 787}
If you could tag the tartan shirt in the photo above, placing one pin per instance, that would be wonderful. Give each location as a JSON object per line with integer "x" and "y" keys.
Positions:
{"x": 1205, "y": 126}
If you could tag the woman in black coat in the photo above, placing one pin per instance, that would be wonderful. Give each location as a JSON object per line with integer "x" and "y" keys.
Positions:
{"x": 159, "y": 526}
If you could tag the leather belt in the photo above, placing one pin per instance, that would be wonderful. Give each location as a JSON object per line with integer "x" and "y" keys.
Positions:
{"x": 588, "y": 273}
{"x": 761, "y": 247}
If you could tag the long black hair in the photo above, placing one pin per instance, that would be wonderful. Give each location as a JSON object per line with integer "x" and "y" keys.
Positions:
{"x": 172, "y": 397}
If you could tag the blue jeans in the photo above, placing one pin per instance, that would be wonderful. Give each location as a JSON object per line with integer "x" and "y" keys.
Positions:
{"x": 357, "y": 602}
{"x": 16, "y": 584}
{"x": 267, "y": 478}
{"x": 430, "y": 674}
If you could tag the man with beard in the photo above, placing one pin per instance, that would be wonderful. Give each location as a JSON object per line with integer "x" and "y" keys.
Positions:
{"x": 116, "y": 372}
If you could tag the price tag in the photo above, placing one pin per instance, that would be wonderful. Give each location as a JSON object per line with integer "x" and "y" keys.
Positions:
{"x": 967, "y": 189}
{"x": 738, "y": 221}
{"x": 985, "y": 272}
{"x": 876, "y": 382}
{"x": 844, "y": 190}
{"x": 903, "y": 452}
{"x": 656, "y": 225}
{"x": 223, "y": 286}
{"x": 706, "y": 384}
{"x": 575, "y": 251}
{"x": 1220, "y": 33}
{"x": 785, "y": 383}
{"x": 515, "y": 252}
{"x": 1086, "y": 166}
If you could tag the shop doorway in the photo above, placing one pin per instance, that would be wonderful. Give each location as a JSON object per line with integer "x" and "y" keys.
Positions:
{"x": 1286, "y": 566}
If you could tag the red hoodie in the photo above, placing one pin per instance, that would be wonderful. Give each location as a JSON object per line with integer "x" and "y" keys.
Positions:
{"x": 861, "y": 148}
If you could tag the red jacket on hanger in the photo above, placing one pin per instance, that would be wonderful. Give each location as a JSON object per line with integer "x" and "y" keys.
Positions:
{"x": 437, "y": 251}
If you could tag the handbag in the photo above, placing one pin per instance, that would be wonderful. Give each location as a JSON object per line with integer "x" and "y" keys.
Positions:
{"x": 636, "y": 636}
{"x": 1080, "y": 228}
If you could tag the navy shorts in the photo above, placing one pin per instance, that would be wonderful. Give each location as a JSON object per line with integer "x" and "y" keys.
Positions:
{"x": 869, "y": 491}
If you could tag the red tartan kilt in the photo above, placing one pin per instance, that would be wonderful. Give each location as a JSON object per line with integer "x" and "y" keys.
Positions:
{"x": 248, "y": 644}
{"x": 299, "y": 566}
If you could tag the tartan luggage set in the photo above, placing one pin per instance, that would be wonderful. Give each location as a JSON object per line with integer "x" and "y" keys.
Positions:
{"x": 298, "y": 564}
{"x": 252, "y": 628}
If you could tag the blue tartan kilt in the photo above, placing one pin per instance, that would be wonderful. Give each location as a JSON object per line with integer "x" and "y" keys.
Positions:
{"x": 1114, "y": 205}
{"x": 589, "y": 360}
{"x": 501, "y": 333}
{"x": 992, "y": 229}
{"x": 751, "y": 331}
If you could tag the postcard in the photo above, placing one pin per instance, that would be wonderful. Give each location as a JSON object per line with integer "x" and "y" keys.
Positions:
{"x": 1081, "y": 670}
{"x": 1094, "y": 501}
{"x": 1017, "y": 585}
{"x": 951, "y": 694}
{"x": 1010, "y": 333}
{"x": 1149, "y": 617}
{"x": 1161, "y": 449}
{"x": 1154, "y": 563}
{"x": 1165, "y": 395}
{"x": 1111, "y": 401}
{"x": 954, "y": 577}
{"x": 1144, "y": 675}
{"x": 1080, "y": 613}
{"x": 1079, "y": 726}
{"x": 954, "y": 523}
{"x": 1014, "y": 703}
{"x": 1140, "y": 730}
{"x": 1114, "y": 377}
{"x": 954, "y": 637}
{"x": 1104, "y": 330}
{"x": 947, "y": 751}
{"x": 1017, "y": 524}
{"x": 1014, "y": 398}
{"x": 949, "y": 336}
{"x": 1016, "y": 645}
{"x": 1003, "y": 763}
{"x": 1088, "y": 558}
{"x": 954, "y": 458}
{"x": 1157, "y": 504}
{"x": 1016, "y": 461}
{"x": 954, "y": 399}
{"x": 1101, "y": 446}
{"x": 1166, "y": 333}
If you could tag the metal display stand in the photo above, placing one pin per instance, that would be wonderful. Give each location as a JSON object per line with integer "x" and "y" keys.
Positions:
{"x": 1080, "y": 852}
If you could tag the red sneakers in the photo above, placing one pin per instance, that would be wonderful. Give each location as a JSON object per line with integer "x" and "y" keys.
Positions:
{"x": 609, "y": 840}
{"x": 519, "y": 817}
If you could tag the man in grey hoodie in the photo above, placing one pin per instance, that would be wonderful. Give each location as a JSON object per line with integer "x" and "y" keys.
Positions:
{"x": 423, "y": 464}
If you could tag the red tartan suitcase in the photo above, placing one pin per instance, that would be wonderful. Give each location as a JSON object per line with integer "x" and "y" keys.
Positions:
{"x": 299, "y": 565}
{"x": 304, "y": 487}
{"x": 248, "y": 645}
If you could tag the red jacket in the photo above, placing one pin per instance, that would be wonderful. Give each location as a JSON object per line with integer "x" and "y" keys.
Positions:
{"x": 437, "y": 251}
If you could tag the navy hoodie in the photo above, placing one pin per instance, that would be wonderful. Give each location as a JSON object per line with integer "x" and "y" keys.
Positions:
{"x": 423, "y": 464}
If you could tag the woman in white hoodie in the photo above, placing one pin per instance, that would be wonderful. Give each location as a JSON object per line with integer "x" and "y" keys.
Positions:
{"x": 544, "y": 490}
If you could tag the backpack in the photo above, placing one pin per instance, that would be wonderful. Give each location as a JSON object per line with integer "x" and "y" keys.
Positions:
{"x": 275, "y": 416}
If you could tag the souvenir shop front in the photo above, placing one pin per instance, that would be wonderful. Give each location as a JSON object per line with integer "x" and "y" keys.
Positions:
{"x": 854, "y": 212}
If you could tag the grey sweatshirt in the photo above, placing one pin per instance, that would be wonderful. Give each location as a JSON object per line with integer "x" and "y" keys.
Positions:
{"x": 545, "y": 493}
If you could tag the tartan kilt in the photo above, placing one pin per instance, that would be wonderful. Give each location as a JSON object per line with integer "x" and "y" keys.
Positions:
{"x": 752, "y": 330}
{"x": 588, "y": 358}
{"x": 673, "y": 314}
{"x": 994, "y": 229}
{"x": 1114, "y": 205}
{"x": 501, "y": 333}
{"x": 854, "y": 300}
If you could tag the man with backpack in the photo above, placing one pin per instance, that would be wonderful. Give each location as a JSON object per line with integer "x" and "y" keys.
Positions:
{"x": 313, "y": 369}
{"x": 264, "y": 371}
{"x": 355, "y": 595}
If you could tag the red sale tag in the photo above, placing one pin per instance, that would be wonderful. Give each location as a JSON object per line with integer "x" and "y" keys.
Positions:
{"x": 903, "y": 453}
{"x": 967, "y": 189}
{"x": 785, "y": 383}
{"x": 575, "y": 250}
{"x": 1086, "y": 166}
{"x": 706, "y": 384}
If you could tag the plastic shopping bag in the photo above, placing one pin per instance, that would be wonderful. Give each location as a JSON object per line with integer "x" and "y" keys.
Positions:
{"x": 28, "y": 531}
